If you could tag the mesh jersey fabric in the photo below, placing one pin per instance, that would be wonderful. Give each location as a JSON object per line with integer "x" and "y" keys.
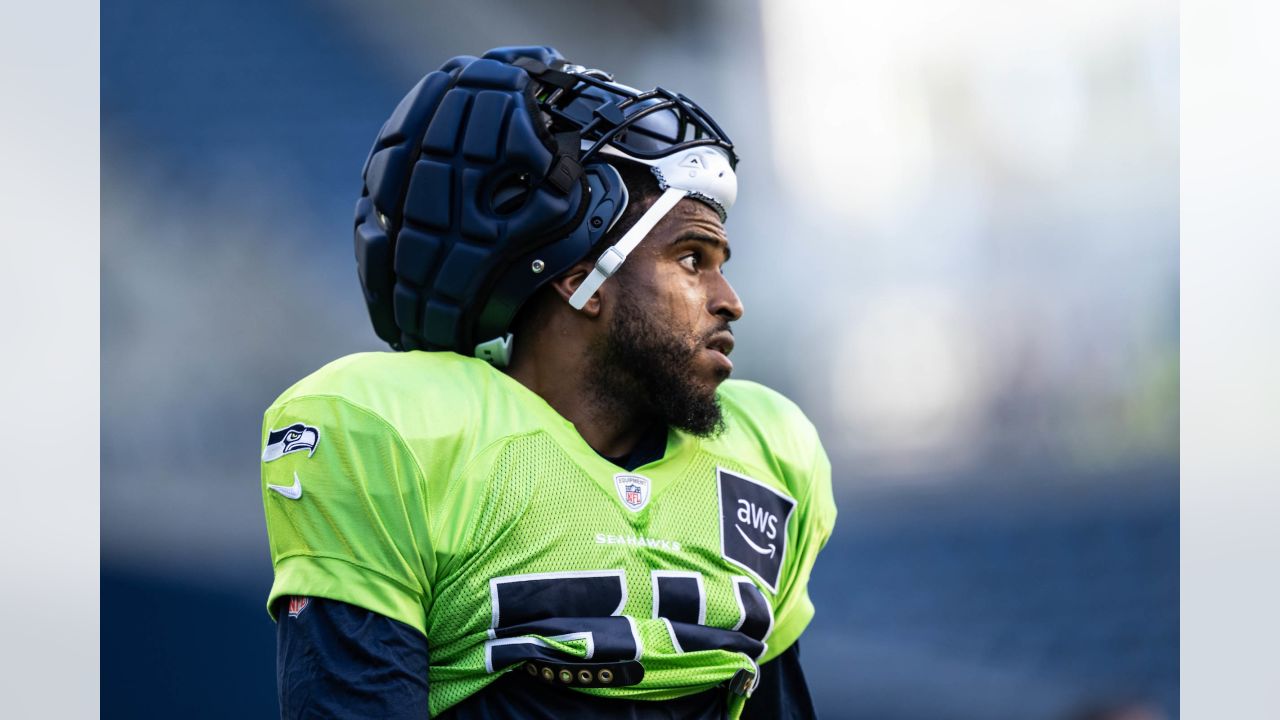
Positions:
{"x": 444, "y": 494}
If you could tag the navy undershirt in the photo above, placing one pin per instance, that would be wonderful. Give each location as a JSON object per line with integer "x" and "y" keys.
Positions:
{"x": 335, "y": 660}
{"x": 651, "y": 446}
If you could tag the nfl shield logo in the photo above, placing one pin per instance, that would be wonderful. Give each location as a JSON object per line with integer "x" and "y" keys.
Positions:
{"x": 633, "y": 489}
{"x": 297, "y": 604}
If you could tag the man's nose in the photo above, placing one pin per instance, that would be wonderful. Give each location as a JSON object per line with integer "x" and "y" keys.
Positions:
{"x": 725, "y": 302}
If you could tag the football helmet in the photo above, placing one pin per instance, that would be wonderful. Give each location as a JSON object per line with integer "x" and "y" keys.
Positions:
{"x": 493, "y": 176}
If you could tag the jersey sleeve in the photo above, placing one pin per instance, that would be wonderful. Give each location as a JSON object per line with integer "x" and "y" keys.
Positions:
{"x": 346, "y": 510}
{"x": 815, "y": 516}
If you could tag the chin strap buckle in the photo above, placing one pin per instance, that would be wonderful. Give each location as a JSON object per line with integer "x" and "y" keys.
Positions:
{"x": 612, "y": 259}
{"x": 609, "y": 262}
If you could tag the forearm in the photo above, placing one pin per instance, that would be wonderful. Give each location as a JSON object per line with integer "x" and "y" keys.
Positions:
{"x": 338, "y": 660}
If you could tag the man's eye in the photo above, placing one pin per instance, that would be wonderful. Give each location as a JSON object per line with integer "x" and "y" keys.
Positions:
{"x": 691, "y": 261}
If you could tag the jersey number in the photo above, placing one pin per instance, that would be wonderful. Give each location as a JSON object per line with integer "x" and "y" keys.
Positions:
{"x": 565, "y": 606}
{"x": 586, "y": 606}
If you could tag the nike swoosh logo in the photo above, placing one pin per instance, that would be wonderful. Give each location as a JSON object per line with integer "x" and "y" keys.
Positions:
{"x": 294, "y": 491}
{"x": 770, "y": 551}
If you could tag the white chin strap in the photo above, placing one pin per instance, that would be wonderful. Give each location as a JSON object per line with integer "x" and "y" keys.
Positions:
{"x": 703, "y": 172}
{"x": 611, "y": 259}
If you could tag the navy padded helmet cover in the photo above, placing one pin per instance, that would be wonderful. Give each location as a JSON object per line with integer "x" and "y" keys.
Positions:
{"x": 435, "y": 228}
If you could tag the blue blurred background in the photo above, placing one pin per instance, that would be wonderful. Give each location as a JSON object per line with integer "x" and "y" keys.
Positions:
{"x": 957, "y": 243}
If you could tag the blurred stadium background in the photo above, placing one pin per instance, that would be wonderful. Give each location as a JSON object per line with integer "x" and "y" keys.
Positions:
{"x": 957, "y": 241}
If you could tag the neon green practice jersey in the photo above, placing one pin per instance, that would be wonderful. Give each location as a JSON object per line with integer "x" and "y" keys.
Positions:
{"x": 436, "y": 490}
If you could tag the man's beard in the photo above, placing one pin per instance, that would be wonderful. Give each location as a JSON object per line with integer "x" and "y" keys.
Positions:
{"x": 643, "y": 369}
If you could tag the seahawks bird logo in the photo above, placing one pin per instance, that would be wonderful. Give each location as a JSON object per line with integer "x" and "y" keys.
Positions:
{"x": 290, "y": 439}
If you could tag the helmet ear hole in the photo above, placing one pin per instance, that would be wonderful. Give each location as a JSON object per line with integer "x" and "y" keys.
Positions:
{"x": 510, "y": 193}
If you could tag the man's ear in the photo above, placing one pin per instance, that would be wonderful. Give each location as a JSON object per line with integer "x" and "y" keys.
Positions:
{"x": 568, "y": 283}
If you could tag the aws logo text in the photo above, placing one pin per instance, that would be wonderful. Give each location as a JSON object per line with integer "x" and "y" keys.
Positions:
{"x": 753, "y": 525}
{"x": 758, "y": 517}
{"x": 762, "y": 520}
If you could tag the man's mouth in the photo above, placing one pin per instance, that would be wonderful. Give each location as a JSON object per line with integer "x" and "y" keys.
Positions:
{"x": 721, "y": 344}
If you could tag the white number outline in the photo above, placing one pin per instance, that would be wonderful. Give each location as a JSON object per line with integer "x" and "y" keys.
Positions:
{"x": 587, "y": 637}
{"x": 654, "y": 575}
{"x": 738, "y": 582}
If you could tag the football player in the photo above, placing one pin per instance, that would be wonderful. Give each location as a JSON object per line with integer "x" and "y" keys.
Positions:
{"x": 552, "y": 502}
